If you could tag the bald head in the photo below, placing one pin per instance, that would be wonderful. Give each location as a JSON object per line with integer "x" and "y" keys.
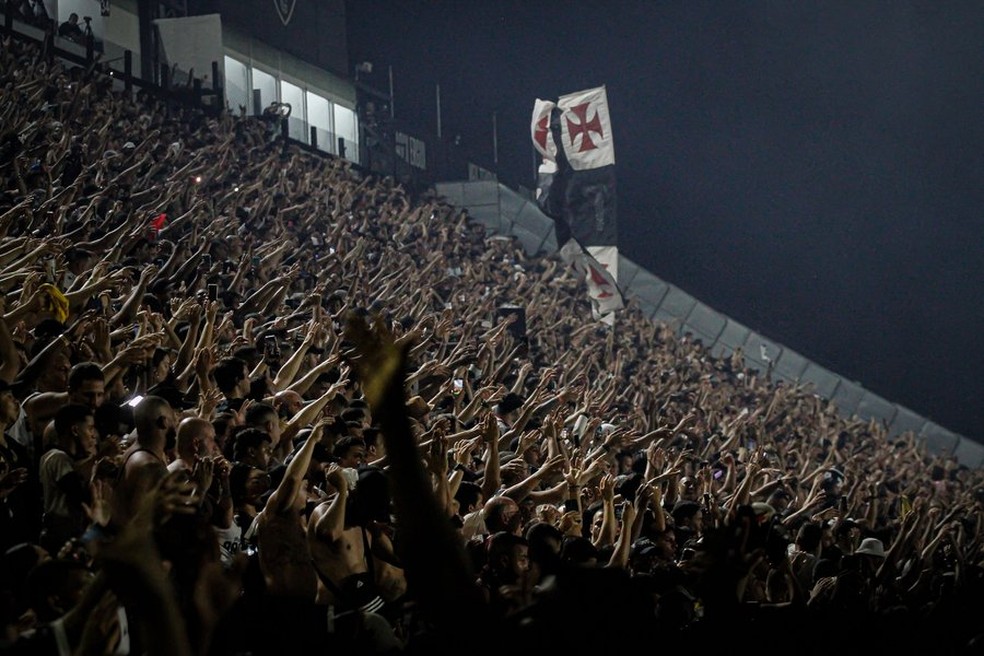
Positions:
{"x": 152, "y": 415}
{"x": 196, "y": 438}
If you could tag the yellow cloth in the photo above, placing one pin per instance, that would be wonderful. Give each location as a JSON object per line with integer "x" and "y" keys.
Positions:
{"x": 57, "y": 302}
{"x": 905, "y": 507}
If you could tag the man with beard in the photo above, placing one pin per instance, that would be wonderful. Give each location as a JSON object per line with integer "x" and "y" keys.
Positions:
{"x": 145, "y": 461}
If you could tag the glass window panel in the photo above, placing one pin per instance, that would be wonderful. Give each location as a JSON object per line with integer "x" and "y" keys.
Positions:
{"x": 267, "y": 86}
{"x": 237, "y": 86}
{"x": 346, "y": 128}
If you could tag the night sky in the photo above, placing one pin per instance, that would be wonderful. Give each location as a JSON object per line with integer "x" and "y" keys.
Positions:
{"x": 815, "y": 170}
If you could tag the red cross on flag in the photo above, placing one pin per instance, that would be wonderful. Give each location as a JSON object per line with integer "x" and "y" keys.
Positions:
{"x": 543, "y": 139}
{"x": 586, "y": 129}
{"x": 603, "y": 290}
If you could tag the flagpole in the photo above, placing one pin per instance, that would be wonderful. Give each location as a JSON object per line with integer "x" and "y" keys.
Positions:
{"x": 495, "y": 141}
{"x": 392, "y": 110}
{"x": 438, "y": 110}
{"x": 536, "y": 164}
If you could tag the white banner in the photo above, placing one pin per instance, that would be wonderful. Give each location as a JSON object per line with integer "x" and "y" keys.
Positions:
{"x": 602, "y": 288}
{"x": 607, "y": 256}
{"x": 586, "y": 129}
{"x": 543, "y": 139}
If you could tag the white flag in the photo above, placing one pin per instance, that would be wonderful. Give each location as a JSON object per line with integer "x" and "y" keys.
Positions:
{"x": 602, "y": 288}
{"x": 543, "y": 139}
{"x": 586, "y": 129}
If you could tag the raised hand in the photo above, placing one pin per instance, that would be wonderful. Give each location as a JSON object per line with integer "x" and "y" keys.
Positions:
{"x": 100, "y": 511}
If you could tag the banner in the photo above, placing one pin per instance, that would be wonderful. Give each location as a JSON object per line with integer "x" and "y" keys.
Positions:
{"x": 602, "y": 289}
{"x": 586, "y": 129}
{"x": 543, "y": 139}
{"x": 576, "y": 188}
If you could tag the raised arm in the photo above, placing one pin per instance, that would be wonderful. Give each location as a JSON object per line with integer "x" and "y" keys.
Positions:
{"x": 282, "y": 498}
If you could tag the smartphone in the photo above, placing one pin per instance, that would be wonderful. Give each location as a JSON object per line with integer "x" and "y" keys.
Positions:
{"x": 718, "y": 473}
{"x": 315, "y": 240}
{"x": 271, "y": 346}
{"x": 213, "y": 292}
{"x": 458, "y": 385}
{"x": 135, "y": 401}
{"x": 49, "y": 270}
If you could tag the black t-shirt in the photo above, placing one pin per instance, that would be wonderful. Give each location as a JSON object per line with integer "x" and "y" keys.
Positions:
{"x": 70, "y": 30}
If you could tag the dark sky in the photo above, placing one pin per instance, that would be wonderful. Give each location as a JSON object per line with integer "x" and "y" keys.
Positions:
{"x": 814, "y": 170}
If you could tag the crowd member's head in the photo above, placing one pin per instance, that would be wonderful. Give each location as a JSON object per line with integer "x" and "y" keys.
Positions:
{"x": 508, "y": 558}
{"x": 349, "y": 451}
{"x": 87, "y": 385}
{"x": 223, "y": 423}
{"x": 507, "y": 410}
{"x": 287, "y": 403}
{"x": 374, "y": 443}
{"x": 9, "y": 407}
{"x": 159, "y": 369}
{"x": 264, "y": 417}
{"x": 688, "y": 518}
{"x": 253, "y": 447}
{"x": 195, "y": 440}
{"x": 153, "y": 421}
{"x": 545, "y": 542}
{"x": 502, "y": 514}
{"x": 75, "y": 429}
{"x": 469, "y": 498}
{"x": 248, "y": 484}
{"x": 370, "y": 501}
{"x": 54, "y": 376}
{"x": 232, "y": 378}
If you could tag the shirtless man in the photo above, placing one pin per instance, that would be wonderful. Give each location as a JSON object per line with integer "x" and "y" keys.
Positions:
{"x": 351, "y": 550}
{"x": 145, "y": 461}
{"x": 280, "y": 531}
{"x": 292, "y": 620}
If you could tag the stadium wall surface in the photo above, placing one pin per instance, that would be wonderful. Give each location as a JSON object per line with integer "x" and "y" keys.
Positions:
{"x": 506, "y": 212}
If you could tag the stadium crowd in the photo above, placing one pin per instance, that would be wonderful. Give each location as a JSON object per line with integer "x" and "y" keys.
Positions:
{"x": 256, "y": 400}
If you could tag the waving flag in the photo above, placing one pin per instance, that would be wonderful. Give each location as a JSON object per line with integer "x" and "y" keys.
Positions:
{"x": 576, "y": 188}
{"x": 543, "y": 139}
{"x": 586, "y": 129}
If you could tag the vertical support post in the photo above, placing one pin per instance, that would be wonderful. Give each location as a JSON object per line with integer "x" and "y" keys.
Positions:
{"x": 128, "y": 70}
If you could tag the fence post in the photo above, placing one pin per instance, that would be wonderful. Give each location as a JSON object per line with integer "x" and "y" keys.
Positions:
{"x": 128, "y": 70}
{"x": 257, "y": 102}
{"x": 314, "y": 136}
{"x": 341, "y": 147}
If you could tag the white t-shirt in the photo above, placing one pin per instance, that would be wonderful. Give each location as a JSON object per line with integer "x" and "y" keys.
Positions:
{"x": 55, "y": 464}
{"x": 231, "y": 541}
{"x": 21, "y": 433}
